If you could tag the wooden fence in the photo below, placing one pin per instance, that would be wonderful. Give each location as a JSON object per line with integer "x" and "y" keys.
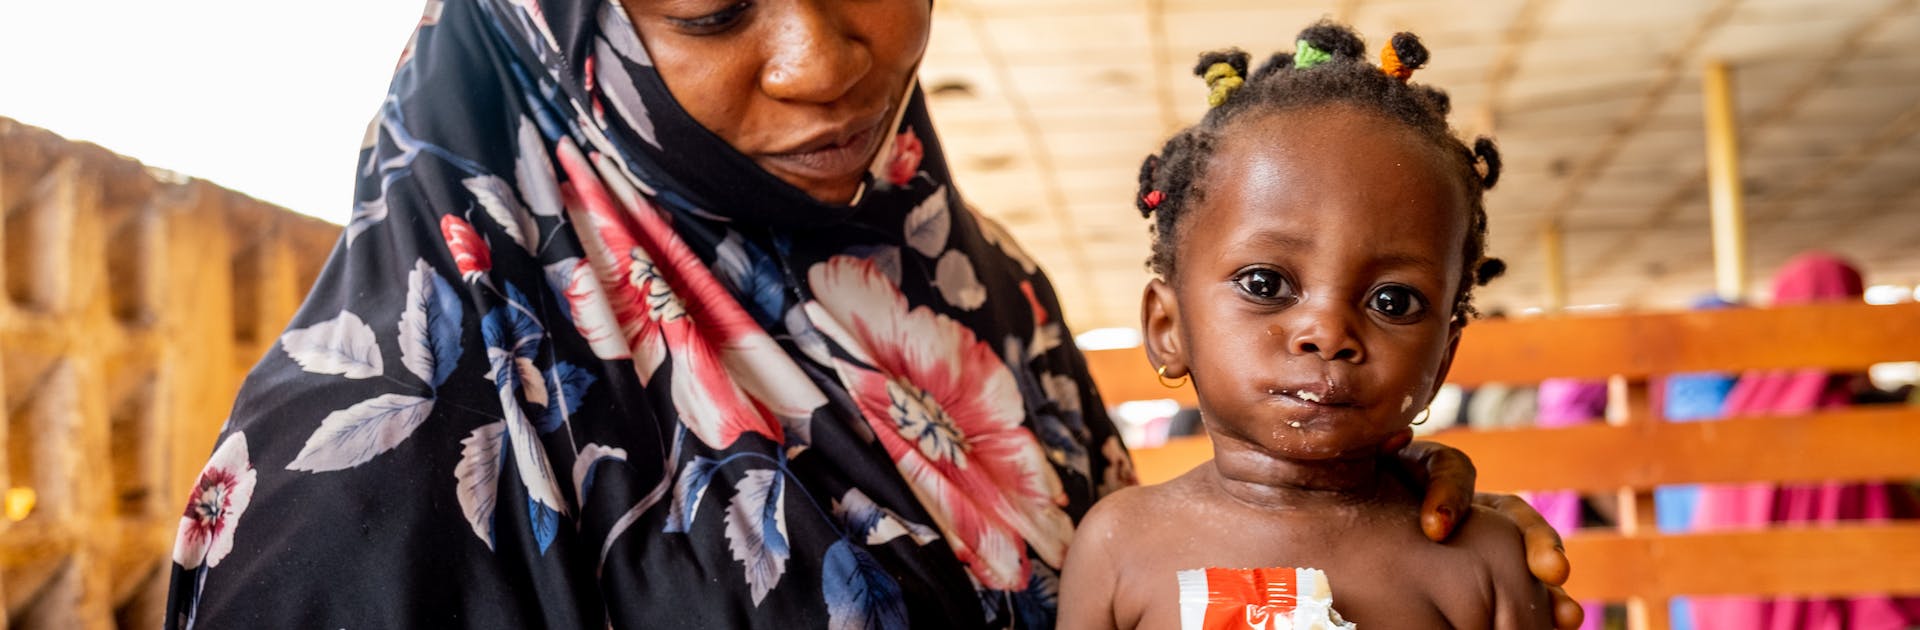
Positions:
{"x": 1636, "y": 563}
{"x": 135, "y": 301}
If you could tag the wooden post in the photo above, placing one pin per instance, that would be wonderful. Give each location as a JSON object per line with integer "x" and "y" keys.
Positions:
{"x": 1723, "y": 184}
{"x": 1629, "y": 403}
{"x": 1554, "y": 269}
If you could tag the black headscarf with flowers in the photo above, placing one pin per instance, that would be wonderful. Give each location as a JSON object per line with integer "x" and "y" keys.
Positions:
{"x": 575, "y": 362}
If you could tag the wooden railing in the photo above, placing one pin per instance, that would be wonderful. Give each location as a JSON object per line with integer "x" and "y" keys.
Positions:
{"x": 134, "y": 302}
{"x": 1638, "y": 451}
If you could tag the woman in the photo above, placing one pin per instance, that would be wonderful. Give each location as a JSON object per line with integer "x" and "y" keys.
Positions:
{"x": 695, "y": 333}
{"x": 1809, "y": 278}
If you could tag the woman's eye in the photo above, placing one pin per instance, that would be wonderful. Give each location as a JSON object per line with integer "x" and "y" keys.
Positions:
{"x": 712, "y": 23}
{"x": 1265, "y": 284}
{"x": 1397, "y": 302}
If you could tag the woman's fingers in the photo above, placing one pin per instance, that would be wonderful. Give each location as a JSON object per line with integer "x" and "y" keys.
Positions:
{"x": 1567, "y": 613}
{"x": 1448, "y": 477}
{"x": 1546, "y": 556}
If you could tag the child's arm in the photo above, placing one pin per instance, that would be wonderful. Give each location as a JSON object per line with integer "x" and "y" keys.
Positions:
{"x": 1087, "y": 581}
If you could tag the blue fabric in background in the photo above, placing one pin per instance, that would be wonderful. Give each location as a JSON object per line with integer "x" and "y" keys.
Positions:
{"x": 1689, "y": 398}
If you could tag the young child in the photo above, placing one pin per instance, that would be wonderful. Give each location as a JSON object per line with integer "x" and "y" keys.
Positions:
{"x": 1316, "y": 240}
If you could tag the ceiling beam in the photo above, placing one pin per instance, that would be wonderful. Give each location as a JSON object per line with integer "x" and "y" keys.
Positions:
{"x": 1162, "y": 55}
{"x": 1597, "y": 162}
{"x": 1042, "y": 155}
{"x": 1513, "y": 41}
{"x": 1779, "y": 111}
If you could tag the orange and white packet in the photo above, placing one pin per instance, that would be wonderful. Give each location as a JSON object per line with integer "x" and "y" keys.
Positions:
{"x": 1278, "y": 598}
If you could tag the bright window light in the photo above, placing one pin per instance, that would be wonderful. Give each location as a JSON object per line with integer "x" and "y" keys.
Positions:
{"x": 1108, "y": 339}
{"x": 1137, "y": 412}
{"x": 1888, "y": 294}
{"x": 268, "y": 98}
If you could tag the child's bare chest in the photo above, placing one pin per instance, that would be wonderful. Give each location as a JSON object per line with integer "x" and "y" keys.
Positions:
{"x": 1380, "y": 579}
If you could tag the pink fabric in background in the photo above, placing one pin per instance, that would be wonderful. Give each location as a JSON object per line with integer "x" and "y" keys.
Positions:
{"x": 1568, "y": 402}
{"x": 1807, "y": 278}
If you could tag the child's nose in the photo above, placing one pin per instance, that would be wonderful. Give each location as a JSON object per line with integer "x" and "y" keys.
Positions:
{"x": 1327, "y": 333}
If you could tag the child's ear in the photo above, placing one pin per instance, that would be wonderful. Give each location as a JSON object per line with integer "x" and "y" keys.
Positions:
{"x": 1160, "y": 328}
{"x": 1446, "y": 361}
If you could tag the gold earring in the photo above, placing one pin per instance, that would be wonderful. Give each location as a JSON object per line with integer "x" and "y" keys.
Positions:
{"x": 1161, "y": 373}
{"x": 1425, "y": 414}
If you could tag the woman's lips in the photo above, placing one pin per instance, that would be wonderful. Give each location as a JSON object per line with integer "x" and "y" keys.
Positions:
{"x": 832, "y": 160}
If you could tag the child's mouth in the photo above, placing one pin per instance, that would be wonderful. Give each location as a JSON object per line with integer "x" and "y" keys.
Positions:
{"x": 1319, "y": 395}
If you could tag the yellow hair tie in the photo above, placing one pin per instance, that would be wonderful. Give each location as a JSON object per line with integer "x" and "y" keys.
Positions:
{"x": 1222, "y": 80}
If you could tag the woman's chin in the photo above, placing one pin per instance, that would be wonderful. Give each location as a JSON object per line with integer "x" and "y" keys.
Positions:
{"x": 836, "y": 192}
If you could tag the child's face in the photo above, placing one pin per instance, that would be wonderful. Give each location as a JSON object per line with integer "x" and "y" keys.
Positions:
{"x": 1314, "y": 283}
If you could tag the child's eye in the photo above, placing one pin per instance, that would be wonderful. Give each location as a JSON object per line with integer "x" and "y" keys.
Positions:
{"x": 712, "y": 23}
{"x": 1397, "y": 302}
{"x": 1264, "y": 284}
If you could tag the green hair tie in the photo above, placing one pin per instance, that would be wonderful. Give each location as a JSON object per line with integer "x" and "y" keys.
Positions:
{"x": 1305, "y": 55}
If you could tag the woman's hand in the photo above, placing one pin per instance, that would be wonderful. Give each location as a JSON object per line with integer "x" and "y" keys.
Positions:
{"x": 1448, "y": 477}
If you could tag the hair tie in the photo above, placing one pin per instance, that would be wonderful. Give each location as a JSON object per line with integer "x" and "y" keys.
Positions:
{"x": 1153, "y": 199}
{"x": 1222, "y": 80}
{"x": 1306, "y": 55}
{"x": 1402, "y": 55}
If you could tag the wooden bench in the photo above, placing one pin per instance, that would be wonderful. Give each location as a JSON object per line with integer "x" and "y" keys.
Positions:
{"x": 1636, "y": 563}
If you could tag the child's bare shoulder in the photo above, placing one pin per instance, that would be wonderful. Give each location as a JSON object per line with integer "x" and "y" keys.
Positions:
{"x": 1104, "y": 556}
{"x": 1116, "y": 518}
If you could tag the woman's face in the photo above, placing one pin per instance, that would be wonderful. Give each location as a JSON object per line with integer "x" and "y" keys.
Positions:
{"x": 806, "y": 88}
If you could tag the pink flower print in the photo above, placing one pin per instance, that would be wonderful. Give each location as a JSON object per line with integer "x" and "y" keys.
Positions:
{"x": 214, "y": 509}
{"x": 904, "y": 163}
{"x": 469, "y": 252}
{"x": 949, "y": 412}
{"x": 730, "y": 378}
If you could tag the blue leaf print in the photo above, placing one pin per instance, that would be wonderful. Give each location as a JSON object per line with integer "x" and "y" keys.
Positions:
{"x": 444, "y": 320}
{"x": 349, "y": 437}
{"x": 1063, "y": 448}
{"x": 859, "y": 593}
{"x": 493, "y": 329}
{"x": 867, "y": 521}
{"x": 343, "y": 345}
{"x": 687, "y": 491}
{"x": 1037, "y": 605}
{"x": 1059, "y": 428}
{"x": 365, "y": 215}
{"x": 756, "y": 530}
{"x": 559, "y": 275}
{"x": 526, "y": 330}
{"x": 567, "y": 384}
{"x": 478, "y": 476}
{"x": 754, "y": 275}
{"x": 858, "y": 513}
{"x": 430, "y": 326}
{"x": 545, "y": 521}
{"x": 513, "y": 340}
{"x": 886, "y": 257}
{"x": 586, "y": 463}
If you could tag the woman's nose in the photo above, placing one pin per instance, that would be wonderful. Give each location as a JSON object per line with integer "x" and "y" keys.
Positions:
{"x": 814, "y": 58}
{"x": 1325, "y": 332}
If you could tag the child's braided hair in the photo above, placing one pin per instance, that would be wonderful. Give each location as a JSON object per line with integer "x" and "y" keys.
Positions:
{"x": 1328, "y": 66}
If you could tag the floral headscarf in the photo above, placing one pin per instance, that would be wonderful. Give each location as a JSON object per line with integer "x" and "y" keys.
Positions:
{"x": 575, "y": 362}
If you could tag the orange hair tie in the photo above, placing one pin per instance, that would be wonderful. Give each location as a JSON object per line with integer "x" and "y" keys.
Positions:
{"x": 1390, "y": 64}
